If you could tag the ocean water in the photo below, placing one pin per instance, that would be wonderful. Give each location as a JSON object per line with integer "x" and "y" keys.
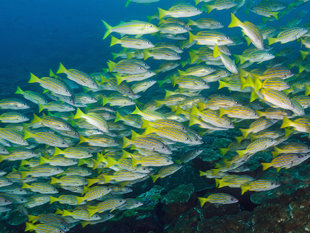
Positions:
{"x": 37, "y": 35}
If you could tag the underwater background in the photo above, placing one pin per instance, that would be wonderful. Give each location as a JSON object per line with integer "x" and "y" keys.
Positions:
{"x": 37, "y": 35}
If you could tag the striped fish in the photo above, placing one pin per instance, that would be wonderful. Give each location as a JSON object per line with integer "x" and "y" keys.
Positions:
{"x": 13, "y": 117}
{"x": 292, "y": 148}
{"x": 93, "y": 119}
{"x": 286, "y": 161}
{"x": 248, "y": 29}
{"x": 288, "y": 35}
{"x": 13, "y": 103}
{"x": 179, "y": 10}
{"x": 47, "y": 138}
{"x": 69, "y": 180}
{"x": 218, "y": 198}
{"x": 109, "y": 204}
{"x": 257, "y": 145}
{"x": 240, "y": 112}
{"x": 209, "y": 38}
{"x": 52, "y": 84}
{"x": 276, "y": 98}
{"x": 166, "y": 171}
{"x": 32, "y": 96}
{"x": 258, "y": 186}
{"x": 146, "y": 142}
{"x": 133, "y": 27}
{"x": 257, "y": 126}
{"x": 132, "y": 42}
{"x": 77, "y": 76}
{"x": 212, "y": 118}
{"x": 12, "y": 136}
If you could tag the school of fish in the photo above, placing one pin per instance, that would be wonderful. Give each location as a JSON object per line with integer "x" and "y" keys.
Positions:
{"x": 82, "y": 140}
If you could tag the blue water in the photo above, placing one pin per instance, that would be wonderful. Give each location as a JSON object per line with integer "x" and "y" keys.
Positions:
{"x": 36, "y": 35}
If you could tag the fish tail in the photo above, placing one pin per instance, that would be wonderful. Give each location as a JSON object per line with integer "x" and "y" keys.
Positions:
{"x": 109, "y": 29}
{"x": 193, "y": 56}
{"x": 57, "y": 151}
{"x": 62, "y": 69}
{"x": 307, "y": 90}
{"x": 239, "y": 139}
{"x": 118, "y": 117}
{"x": 146, "y": 54}
{"x": 275, "y": 15}
{"x": 126, "y": 142}
{"x": 161, "y": 13}
{"x": 235, "y": 22}
{"x": 191, "y": 38}
{"x": 33, "y": 79}
{"x": 209, "y": 8}
{"x": 224, "y": 151}
{"x": 202, "y": 201}
{"x": 114, "y": 41}
{"x": 111, "y": 65}
{"x": 193, "y": 121}
{"x": 195, "y": 111}
{"x": 30, "y": 226}
{"x": 303, "y": 54}
{"x": 301, "y": 68}
{"x": 244, "y": 188}
{"x": 119, "y": 79}
{"x": 254, "y": 96}
{"x": 54, "y": 180}
{"x": 216, "y": 51}
{"x": 272, "y": 40}
{"x": 127, "y": 3}
{"x": 43, "y": 160}
{"x": 79, "y": 200}
{"x": 222, "y": 84}
{"x": 53, "y": 199}
{"x": 19, "y": 91}
{"x": 286, "y": 123}
{"x": 154, "y": 178}
{"x": 266, "y": 166}
{"x": 245, "y": 133}
{"x": 222, "y": 112}
{"x": 35, "y": 119}
{"x": 78, "y": 114}
{"x": 41, "y": 107}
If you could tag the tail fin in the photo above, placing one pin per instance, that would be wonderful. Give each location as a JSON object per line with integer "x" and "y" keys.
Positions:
{"x": 33, "y": 79}
{"x": 286, "y": 123}
{"x": 19, "y": 91}
{"x": 161, "y": 13}
{"x": 126, "y": 142}
{"x": 235, "y": 22}
{"x": 244, "y": 188}
{"x": 78, "y": 114}
{"x": 266, "y": 166}
{"x": 191, "y": 37}
{"x": 216, "y": 51}
{"x": 202, "y": 201}
{"x": 30, "y": 226}
{"x": 109, "y": 29}
{"x": 57, "y": 151}
{"x": 114, "y": 41}
{"x": 154, "y": 178}
{"x": 127, "y": 3}
{"x": 118, "y": 117}
{"x": 245, "y": 132}
{"x": 272, "y": 40}
{"x": 61, "y": 69}
{"x": 146, "y": 54}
